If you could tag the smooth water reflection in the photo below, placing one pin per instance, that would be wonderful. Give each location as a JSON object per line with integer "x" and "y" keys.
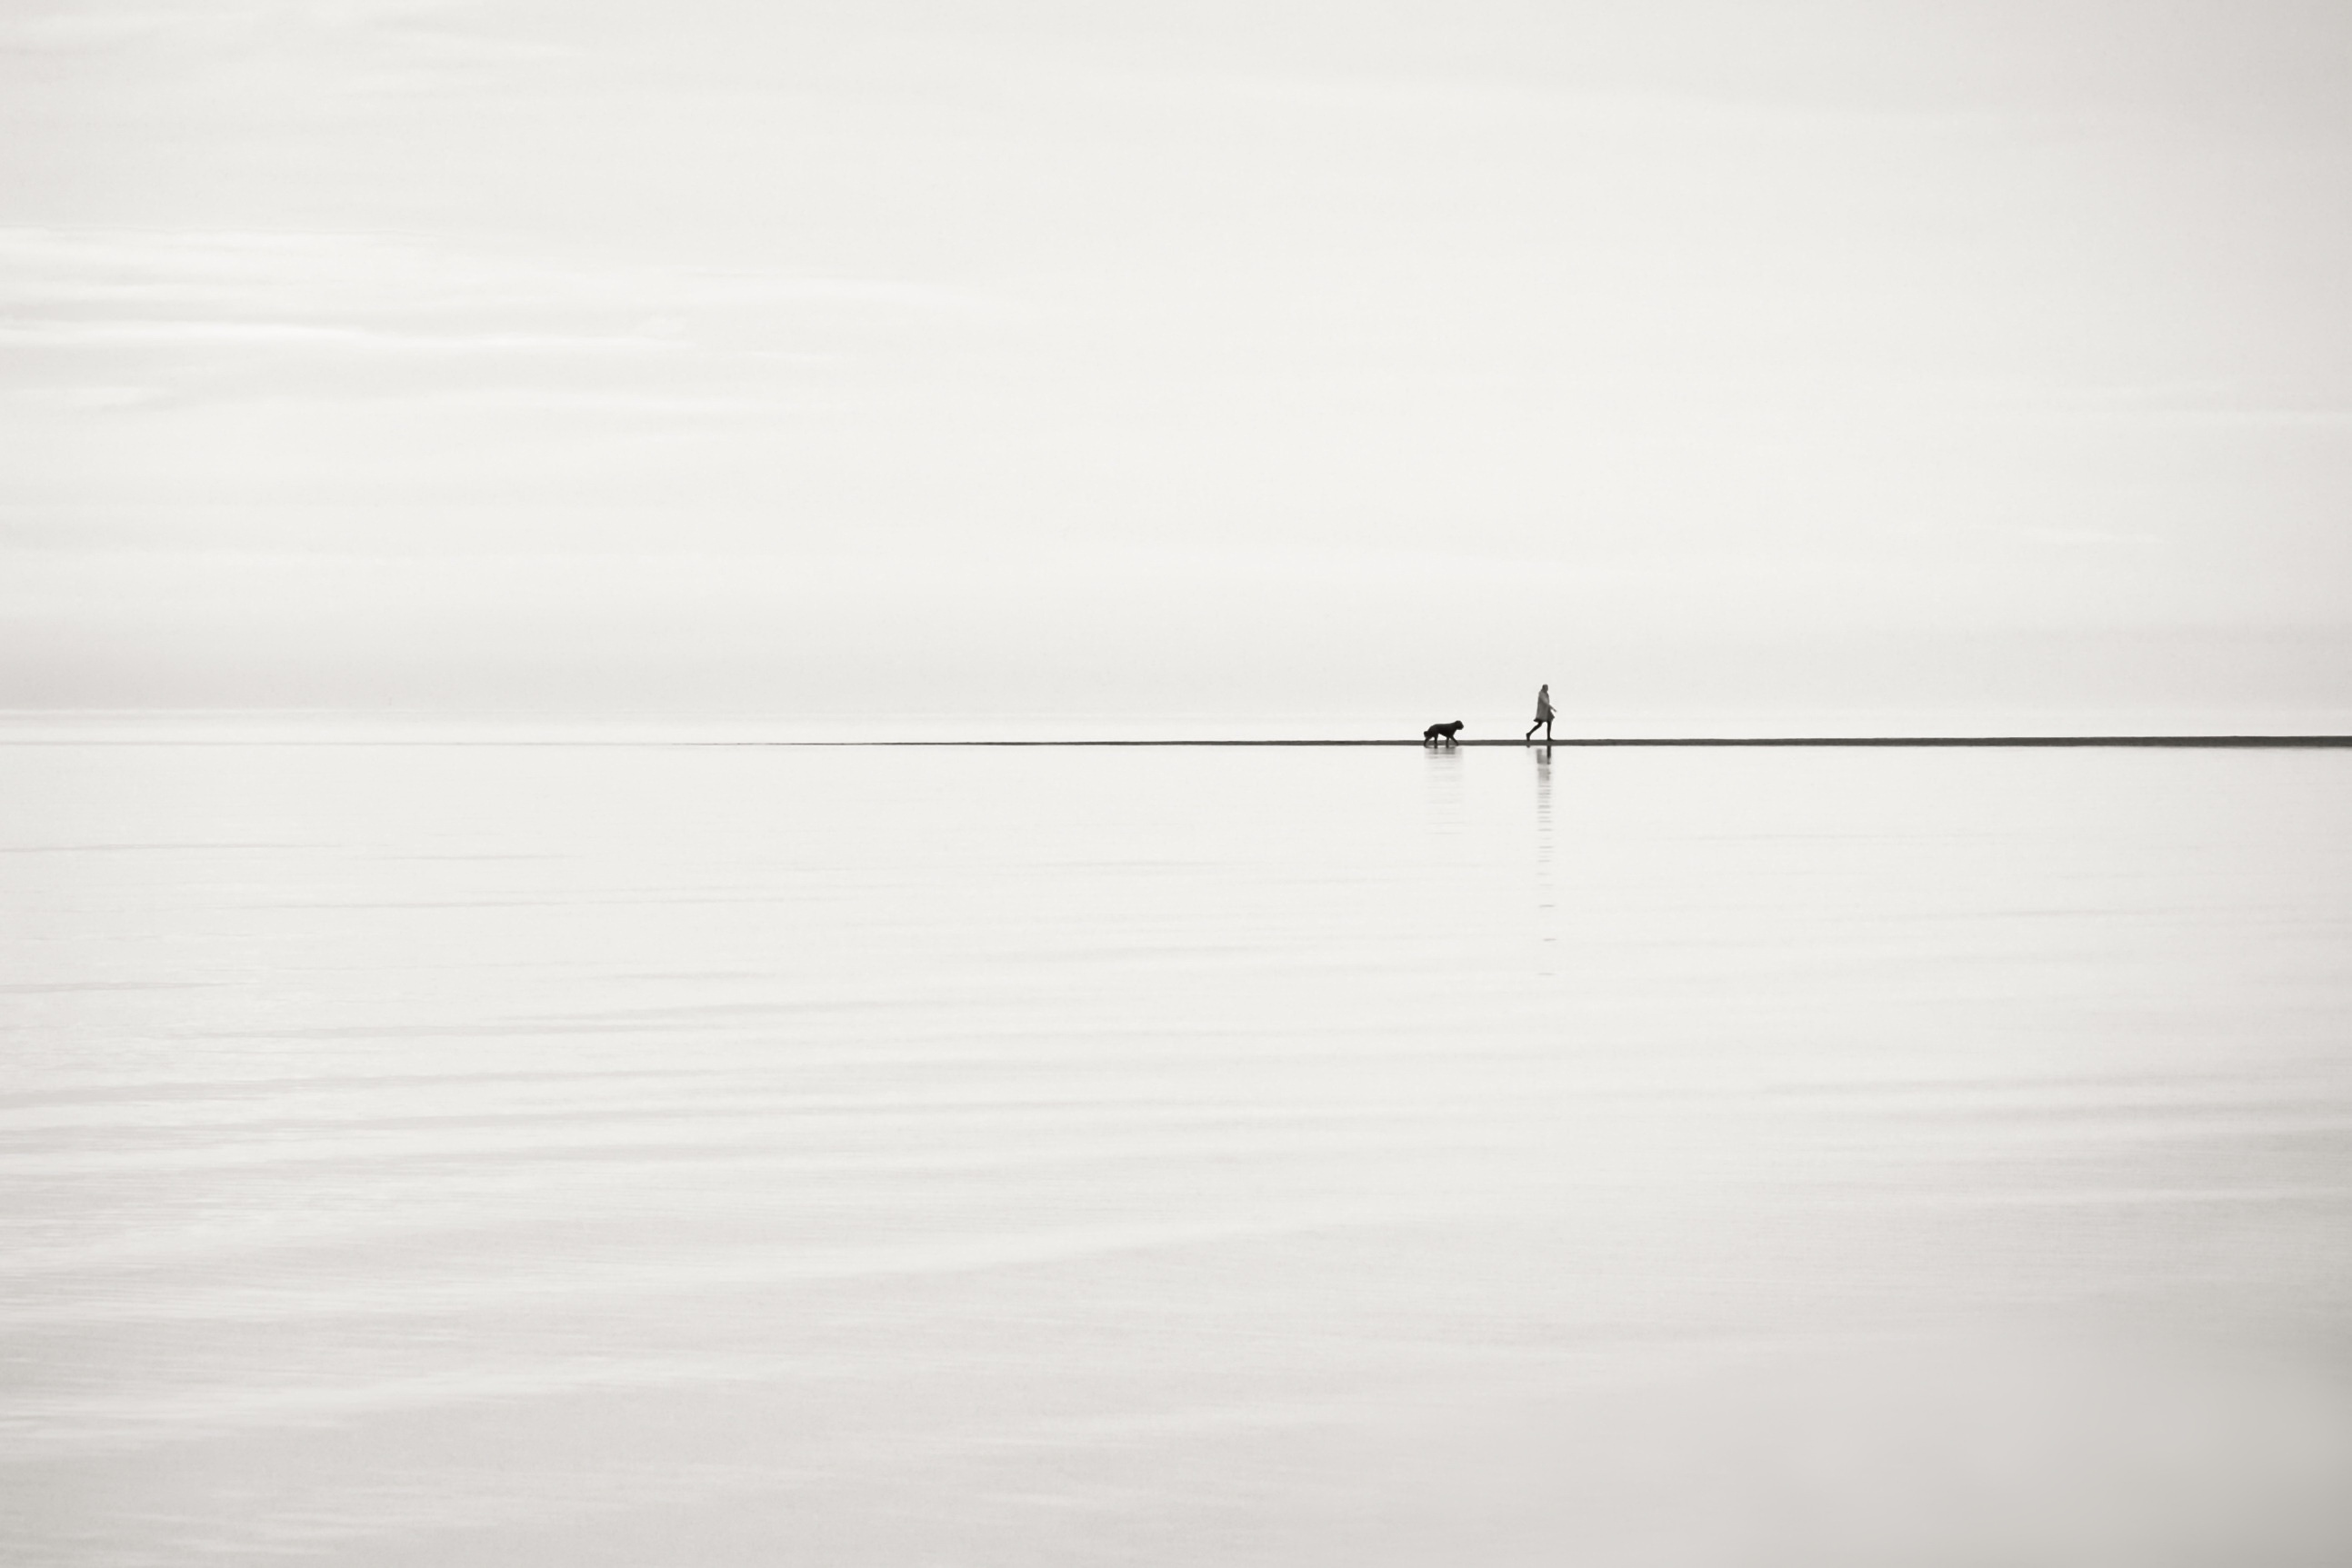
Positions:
{"x": 606, "y": 1155}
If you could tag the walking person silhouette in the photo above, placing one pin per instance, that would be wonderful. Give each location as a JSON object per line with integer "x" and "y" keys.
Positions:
{"x": 1543, "y": 715}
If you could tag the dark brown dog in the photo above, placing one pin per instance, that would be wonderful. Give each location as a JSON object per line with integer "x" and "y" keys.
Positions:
{"x": 1445, "y": 732}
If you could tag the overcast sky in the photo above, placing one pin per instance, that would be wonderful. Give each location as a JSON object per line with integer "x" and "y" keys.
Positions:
{"x": 1977, "y": 363}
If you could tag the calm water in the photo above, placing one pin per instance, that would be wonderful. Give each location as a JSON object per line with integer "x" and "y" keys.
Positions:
{"x": 588, "y": 1155}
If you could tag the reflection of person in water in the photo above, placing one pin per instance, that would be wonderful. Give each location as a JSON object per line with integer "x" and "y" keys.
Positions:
{"x": 1543, "y": 715}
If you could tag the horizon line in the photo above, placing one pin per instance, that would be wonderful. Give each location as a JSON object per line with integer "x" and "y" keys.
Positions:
{"x": 2186, "y": 742}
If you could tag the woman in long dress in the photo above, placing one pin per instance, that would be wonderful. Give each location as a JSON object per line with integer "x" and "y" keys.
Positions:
{"x": 1543, "y": 715}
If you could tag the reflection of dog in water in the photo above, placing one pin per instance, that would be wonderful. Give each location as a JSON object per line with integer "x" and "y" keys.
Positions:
{"x": 1445, "y": 732}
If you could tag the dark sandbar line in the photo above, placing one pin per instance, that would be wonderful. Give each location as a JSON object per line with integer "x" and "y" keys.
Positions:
{"x": 2248, "y": 742}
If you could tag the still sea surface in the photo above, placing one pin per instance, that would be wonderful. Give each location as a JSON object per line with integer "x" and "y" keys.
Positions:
{"x": 710, "y": 1155}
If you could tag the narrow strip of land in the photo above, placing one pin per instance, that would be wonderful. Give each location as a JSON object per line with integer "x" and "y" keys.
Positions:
{"x": 2241, "y": 742}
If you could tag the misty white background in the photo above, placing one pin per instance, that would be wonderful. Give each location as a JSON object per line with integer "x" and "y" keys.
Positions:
{"x": 1869, "y": 365}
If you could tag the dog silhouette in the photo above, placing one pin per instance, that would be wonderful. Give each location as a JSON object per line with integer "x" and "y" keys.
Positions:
{"x": 1445, "y": 732}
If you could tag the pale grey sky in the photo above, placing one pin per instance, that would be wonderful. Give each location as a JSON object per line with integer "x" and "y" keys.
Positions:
{"x": 1982, "y": 363}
